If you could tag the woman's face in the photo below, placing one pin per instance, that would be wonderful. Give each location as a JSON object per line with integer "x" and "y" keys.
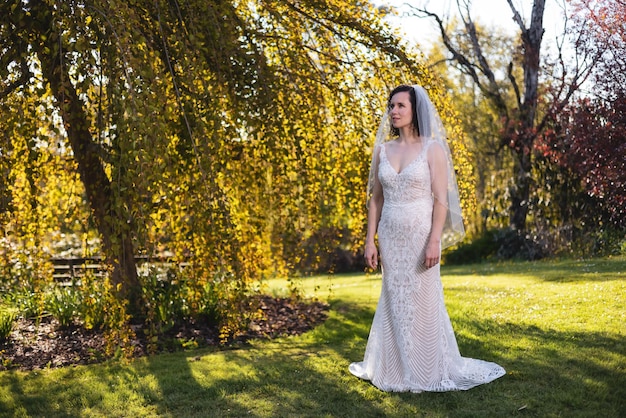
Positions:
{"x": 400, "y": 110}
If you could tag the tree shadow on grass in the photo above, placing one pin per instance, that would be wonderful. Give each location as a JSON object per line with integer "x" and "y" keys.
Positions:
{"x": 552, "y": 372}
{"x": 549, "y": 373}
{"x": 190, "y": 384}
{"x": 301, "y": 377}
{"x": 550, "y": 270}
{"x": 295, "y": 377}
{"x": 65, "y": 398}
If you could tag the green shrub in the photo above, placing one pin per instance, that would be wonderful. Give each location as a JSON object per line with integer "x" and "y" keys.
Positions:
{"x": 92, "y": 308}
{"x": 480, "y": 249}
{"x": 63, "y": 304}
{"x": 7, "y": 320}
{"x": 165, "y": 297}
{"x": 168, "y": 300}
{"x": 601, "y": 241}
{"x": 497, "y": 244}
{"x": 29, "y": 304}
{"x": 209, "y": 305}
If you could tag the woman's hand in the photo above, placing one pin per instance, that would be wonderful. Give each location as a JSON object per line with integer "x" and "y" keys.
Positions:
{"x": 371, "y": 256}
{"x": 433, "y": 252}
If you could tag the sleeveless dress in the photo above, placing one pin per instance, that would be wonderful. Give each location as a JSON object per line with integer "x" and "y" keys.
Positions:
{"x": 411, "y": 345}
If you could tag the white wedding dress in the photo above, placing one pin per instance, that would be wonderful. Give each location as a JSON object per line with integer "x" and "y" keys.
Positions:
{"x": 411, "y": 346}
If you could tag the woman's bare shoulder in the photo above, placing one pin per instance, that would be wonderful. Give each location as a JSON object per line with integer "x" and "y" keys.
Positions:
{"x": 435, "y": 150}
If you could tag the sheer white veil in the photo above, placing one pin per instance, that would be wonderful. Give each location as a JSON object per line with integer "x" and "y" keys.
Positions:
{"x": 432, "y": 130}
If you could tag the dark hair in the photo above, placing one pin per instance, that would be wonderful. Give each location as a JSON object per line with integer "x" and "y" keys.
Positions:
{"x": 413, "y": 100}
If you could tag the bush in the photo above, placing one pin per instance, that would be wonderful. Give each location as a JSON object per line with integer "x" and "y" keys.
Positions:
{"x": 513, "y": 245}
{"x": 480, "y": 249}
{"x": 64, "y": 304}
{"x": 165, "y": 298}
{"x": 601, "y": 242}
{"x": 498, "y": 244}
{"x": 30, "y": 304}
{"x": 92, "y": 309}
{"x": 7, "y": 319}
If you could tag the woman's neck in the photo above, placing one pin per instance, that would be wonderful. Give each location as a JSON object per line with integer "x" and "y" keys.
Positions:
{"x": 408, "y": 135}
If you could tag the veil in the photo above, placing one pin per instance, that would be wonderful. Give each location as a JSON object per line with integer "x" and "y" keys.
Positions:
{"x": 432, "y": 129}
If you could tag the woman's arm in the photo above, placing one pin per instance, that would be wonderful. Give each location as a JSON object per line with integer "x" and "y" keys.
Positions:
{"x": 375, "y": 206}
{"x": 439, "y": 187}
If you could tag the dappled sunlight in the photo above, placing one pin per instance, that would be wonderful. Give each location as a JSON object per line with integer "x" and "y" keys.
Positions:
{"x": 279, "y": 382}
{"x": 574, "y": 306}
{"x": 588, "y": 361}
{"x": 562, "y": 344}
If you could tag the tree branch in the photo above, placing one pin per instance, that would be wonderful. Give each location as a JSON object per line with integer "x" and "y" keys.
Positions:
{"x": 457, "y": 56}
{"x": 470, "y": 28}
{"x": 23, "y": 79}
{"x": 513, "y": 80}
{"x": 491, "y": 91}
{"x": 517, "y": 18}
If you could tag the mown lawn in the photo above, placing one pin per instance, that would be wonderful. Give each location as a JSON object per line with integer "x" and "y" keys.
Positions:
{"x": 558, "y": 327}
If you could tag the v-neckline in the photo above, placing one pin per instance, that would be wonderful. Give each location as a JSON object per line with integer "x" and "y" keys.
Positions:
{"x": 419, "y": 154}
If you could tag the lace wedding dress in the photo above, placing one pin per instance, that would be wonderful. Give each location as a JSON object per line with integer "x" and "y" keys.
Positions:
{"x": 411, "y": 346}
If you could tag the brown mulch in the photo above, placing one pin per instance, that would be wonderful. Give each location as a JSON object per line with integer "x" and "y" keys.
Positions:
{"x": 35, "y": 346}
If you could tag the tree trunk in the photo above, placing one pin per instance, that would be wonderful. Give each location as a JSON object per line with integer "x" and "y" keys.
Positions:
{"x": 520, "y": 192}
{"x": 524, "y": 139}
{"x": 116, "y": 240}
{"x": 520, "y": 125}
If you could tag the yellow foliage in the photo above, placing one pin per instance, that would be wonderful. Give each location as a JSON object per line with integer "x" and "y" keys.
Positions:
{"x": 246, "y": 151}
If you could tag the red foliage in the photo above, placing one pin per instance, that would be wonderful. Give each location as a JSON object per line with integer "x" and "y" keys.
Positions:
{"x": 588, "y": 139}
{"x": 602, "y": 25}
{"x": 590, "y": 142}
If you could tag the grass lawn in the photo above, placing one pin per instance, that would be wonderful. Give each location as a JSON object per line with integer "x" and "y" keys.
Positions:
{"x": 557, "y": 327}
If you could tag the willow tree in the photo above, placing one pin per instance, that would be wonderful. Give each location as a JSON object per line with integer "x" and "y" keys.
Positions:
{"x": 227, "y": 133}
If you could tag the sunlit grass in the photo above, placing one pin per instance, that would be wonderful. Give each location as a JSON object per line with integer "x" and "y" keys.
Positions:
{"x": 556, "y": 326}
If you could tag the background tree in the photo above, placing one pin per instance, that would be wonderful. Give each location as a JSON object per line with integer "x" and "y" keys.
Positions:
{"x": 492, "y": 162}
{"x": 602, "y": 28}
{"x": 526, "y": 117}
{"x": 585, "y": 146}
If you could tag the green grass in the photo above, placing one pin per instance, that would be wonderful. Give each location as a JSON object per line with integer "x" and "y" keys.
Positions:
{"x": 558, "y": 327}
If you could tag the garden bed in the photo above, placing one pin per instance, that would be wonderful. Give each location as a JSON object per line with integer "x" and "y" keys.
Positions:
{"x": 41, "y": 345}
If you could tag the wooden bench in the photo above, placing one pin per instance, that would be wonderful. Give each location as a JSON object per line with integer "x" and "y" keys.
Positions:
{"x": 70, "y": 269}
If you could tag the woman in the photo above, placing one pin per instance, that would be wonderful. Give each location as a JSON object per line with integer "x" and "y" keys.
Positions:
{"x": 413, "y": 205}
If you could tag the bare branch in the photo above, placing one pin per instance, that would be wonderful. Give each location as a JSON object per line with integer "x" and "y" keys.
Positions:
{"x": 478, "y": 52}
{"x": 468, "y": 67}
{"x": 513, "y": 80}
{"x": 517, "y": 18}
{"x": 491, "y": 89}
{"x": 442, "y": 61}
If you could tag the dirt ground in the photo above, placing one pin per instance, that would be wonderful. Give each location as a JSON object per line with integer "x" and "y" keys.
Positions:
{"x": 35, "y": 346}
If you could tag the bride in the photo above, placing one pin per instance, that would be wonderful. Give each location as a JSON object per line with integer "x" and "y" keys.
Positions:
{"x": 413, "y": 206}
